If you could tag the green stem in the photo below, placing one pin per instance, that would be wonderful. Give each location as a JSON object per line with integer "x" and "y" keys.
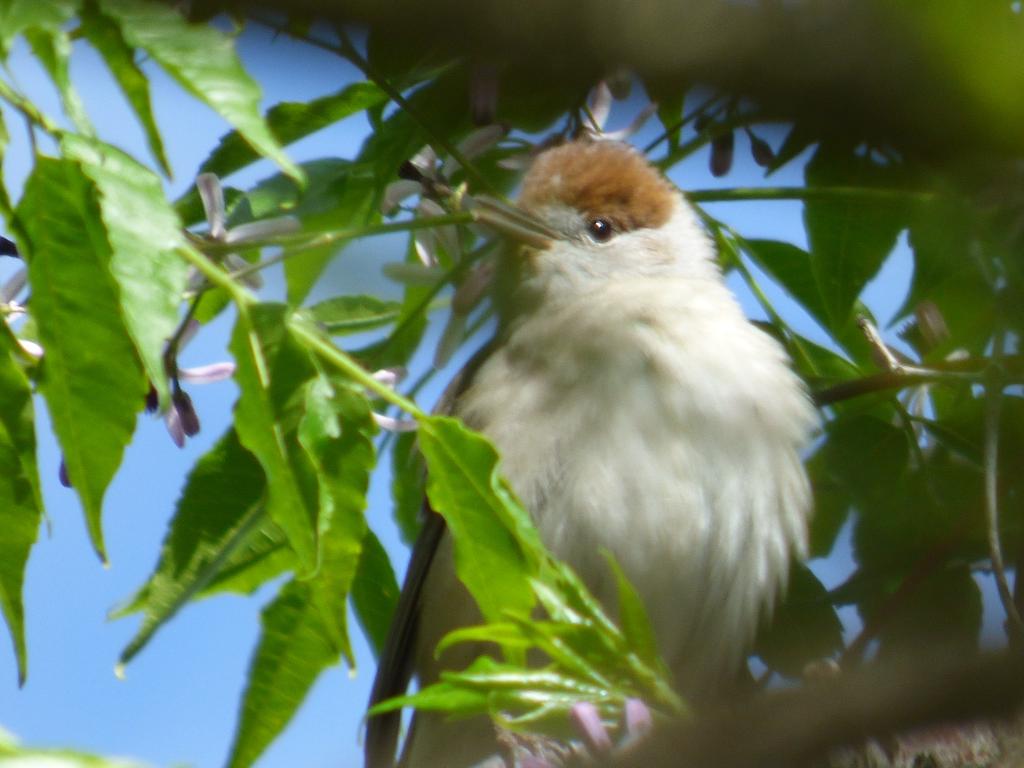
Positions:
{"x": 343, "y": 362}
{"x": 742, "y": 194}
{"x": 27, "y": 108}
{"x": 297, "y": 243}
{"x": 348, "y": 50}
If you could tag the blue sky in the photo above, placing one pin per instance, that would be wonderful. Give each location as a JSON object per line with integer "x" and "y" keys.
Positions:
{"x": 179, "y": 701}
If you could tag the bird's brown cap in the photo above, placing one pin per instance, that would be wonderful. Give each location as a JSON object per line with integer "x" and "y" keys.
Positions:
{"x": 606, "y": 179}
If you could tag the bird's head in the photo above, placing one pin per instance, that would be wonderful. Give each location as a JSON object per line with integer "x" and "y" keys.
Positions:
{"x": 599, "y": 211}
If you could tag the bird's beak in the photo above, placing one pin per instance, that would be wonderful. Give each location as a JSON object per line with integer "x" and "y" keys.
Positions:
{"x": 513, "y": 222}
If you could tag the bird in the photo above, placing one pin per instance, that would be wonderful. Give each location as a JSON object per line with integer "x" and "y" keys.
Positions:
{"x": 635, "y": 409}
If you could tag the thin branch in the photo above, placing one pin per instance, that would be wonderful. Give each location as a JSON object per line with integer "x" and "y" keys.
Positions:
{"x": 743, "y": 194}
{"x": 349, "y": 51}
{"x": 296, "y": 244}
{"x": 993, "y": 407}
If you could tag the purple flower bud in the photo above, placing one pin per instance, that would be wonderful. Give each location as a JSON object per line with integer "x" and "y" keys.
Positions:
{"x": 174, "y": 428}
{"x": 207, "y": 374}
{"x": 182, "y": 403}
{"x": 62, "y": 474}
{"x": 638, "y": 717}
{"x": 152, "y": 400}
{"x": 721, "y": 153}
{"x": 587, "y": 720}
{"x": 8, "y": 248}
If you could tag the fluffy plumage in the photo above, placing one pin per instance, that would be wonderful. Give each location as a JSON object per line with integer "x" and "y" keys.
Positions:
{"x": 635, "y": 409}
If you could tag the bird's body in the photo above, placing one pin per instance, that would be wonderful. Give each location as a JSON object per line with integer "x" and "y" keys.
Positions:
{"x": 635, "y": 409}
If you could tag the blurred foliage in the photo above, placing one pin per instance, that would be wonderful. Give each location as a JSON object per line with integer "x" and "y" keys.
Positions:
{"x": 922, "y": 440}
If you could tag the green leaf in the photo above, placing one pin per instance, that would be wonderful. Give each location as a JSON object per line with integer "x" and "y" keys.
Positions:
{"x": 16, "y": 16}
{"x": 20, "y": 501}
{"x": 144, "y": 233}
{"x": 106, "y": 37}
{"x": 804, "y": 627}
{"x": 633, "y": 618}
{"x": 408, "y": 485}
{"x": 496, "y": 547}
{"x": 295, "y": 646}
{"x": 52, "y": 48}
{"x": 272, "y": 370}
{"x": 945, "y": 237}
{"x": 203, "y": 61}
{"x": 799, "y": 138}
{"x": 263, "y": 554}
{"x": 374, "y": 592}
{"x": 305, "y": 629}
{"x": 354, "y": 314}
{"x": 793, "y": 269}
{"x": 291, "y": 121}
{"x": 222, "y": 504}
{"x": 336, "y": 432}
{"x": 339, "y": 194}
{"x": 849, "y": 239}
{"x": 90, "y": 376}
{"x": 944, "y": 609}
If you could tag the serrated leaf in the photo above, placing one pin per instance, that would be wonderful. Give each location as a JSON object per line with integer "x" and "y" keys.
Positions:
{"x": 106, "y": 37}
{"x": 144, "y": 233}
{"x": 272, "y": 369}
{"x": 262, "y": 555}
{"x": 204, "y": 62}
{"x": 16, "y": 16}
{"x": 335, "y": 431}
{"x": 21, "y": 506}
{"x": 305, "y": 629}
{"x": 792, "y": 268}
{"x": 496, "y": 546}
{"x": 849, "y": 239}
{"x": 90, "y": 375}
{"x": 52, "y": 48}
{"x": 295, "y": 646}
{"x": 222, "y": 503}
{"x": 290, "y": 121}
{"x": 354, "y": 314}
{"x": 374, "y": 591}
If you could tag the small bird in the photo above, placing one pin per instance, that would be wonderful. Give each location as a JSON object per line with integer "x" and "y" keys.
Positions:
{"x": 635, "y": 409}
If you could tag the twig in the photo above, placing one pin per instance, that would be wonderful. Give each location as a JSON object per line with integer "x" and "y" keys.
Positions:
{"x": 792, "y": 727}
{"x": 993, "y": 407}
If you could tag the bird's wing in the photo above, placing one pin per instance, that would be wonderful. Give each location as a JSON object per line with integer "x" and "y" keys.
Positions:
{"x": 395, "y": 666}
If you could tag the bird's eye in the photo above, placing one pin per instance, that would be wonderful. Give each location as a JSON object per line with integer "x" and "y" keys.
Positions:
{"x": 600, "y": 229}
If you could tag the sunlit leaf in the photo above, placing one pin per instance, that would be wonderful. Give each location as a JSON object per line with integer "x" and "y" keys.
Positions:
{"x": 18, "y": 15}
{"x": 90, "y": 375}
{"x": 486, "y": 522}
{"x": 354, "y": 314}
{"x": 144, "y": 234}
{"x": 272, "y": 369}
{"x": 203, "y": 61}
{"x": 20, "y": 500}
{"x": 106, "y": 38}
{"x": 294, "y": 648}
{"x": 52, "y": 48}
{"x": 374, "y": 591}
{"x": 290, "y": 121}
{"x": 222, "y": 504}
